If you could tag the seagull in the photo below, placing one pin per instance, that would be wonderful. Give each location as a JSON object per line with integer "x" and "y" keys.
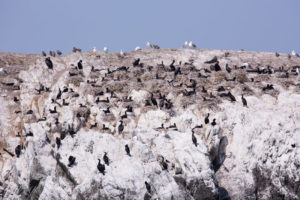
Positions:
{"x": 3, "y": 71}
{"x": 293, "y": 53}
{"x": 122, "y": 53}
{"x": 247, "y": 65}
{"x": 192, "y": 46}
{"x": 185, "y": 45}
{"x": 137, "y": 48}
{"x": 297, "y": 71}
{"x": 149, "y": 45}
{"x": 105, "y": 49}
{"x": 94, "y": 49}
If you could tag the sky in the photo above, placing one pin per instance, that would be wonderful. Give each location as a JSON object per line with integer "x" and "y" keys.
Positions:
{"x": 253, "y": 25}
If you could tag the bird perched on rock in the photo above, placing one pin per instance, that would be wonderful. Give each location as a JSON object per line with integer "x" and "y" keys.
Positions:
{"x": 106, "y": 159}
{"x": 44, "y": 53}
{"x": 120, "y": 127}
{"x": 101, "y": 167}
{"x": 192, "y": 45}
{"x": 228, "y": 68}
{"x": 148, "y": 187}
{"x": 164, "y": 164}
{"x": 244, "y": 101}
{"x": 105, "y": 50}
{"x": 136, "y": 62}
{"x": 122, "y": 54}
{"x": 149, "y": 45}
{"x": 206, "y": 120}
{"x": 94, "y": 49}
{"x": 59, "y": 52}
{"x": 194, "y": 139}
{"x": 49, "y": 63}
{"x": 185, "y": 44}
{"x": 58, "y": 142}
{"x": 3, "y": 71}
{"x": 71, "y": 160}
{"x": 232, "y": 98}
{"x": 18, "y": 150}
{"x": 214, "y": 122}
{"x": 153, "y": 100}
{"x": 79, "y": 65}
{"x": 137, "y": 48}
{"x": 155, "y": 46}
{"x": 127, "y": 150}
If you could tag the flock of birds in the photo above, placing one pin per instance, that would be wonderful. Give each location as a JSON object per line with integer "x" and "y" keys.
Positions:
{"x": 170, "y": 75}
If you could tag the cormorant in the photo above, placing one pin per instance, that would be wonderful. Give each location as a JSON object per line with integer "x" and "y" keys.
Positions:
{"x": 194, "y": 139}
{"x": 53, "y": 111}
{"x": 99, "y": 93}
{"x": 128, "y": 109}
{"x": 161, "y": 126}
{"x": 106, "y": 159}
{"x": 79, "y": 64}
{"x": 268, "y": 87}
{"x": 18, "y": 150}
{"x": 147, "y": 103}
{"x": 124, "y": 116}
{"x": 221, "y": 89}
{"x": 94, "y": 125}
{"x": 136, "y": 62}
{"x": 173, "y": 126}
{"x": 164, "y": 164}
{"x": 49, "y": 63}
{"x": 71, "y": 160}
{"x": 58, "y": 142}
{"x": 172, "y": 67}
{"x": 16, "y": 99}
{"x": 59, "y": 52}
{"x": 153, "y": 100}
{"x": 72, "y": 74}
{"x": 101, "y": 167}
{"x": 104, "y": 128}
{"x": 58, "y": 96}
{"x": 120, "y": 127}
{"x": 44, "y": 53}
{"x": 106, "y": 111}
{"x": 232, "y": 98}
{"x": 65, "y": 89}
{"x": 244, "y": 101}
{"x": 65, "y": 103}
{"x": 127, "y": 150}
{"x": 214, "y": 122}
{"x": 228, "y": 68}
{"x": 217, "y": 67}
{"x": 148, "y": 187}
{"x": 206, "y": 120}
{"x": 29, "y": 112}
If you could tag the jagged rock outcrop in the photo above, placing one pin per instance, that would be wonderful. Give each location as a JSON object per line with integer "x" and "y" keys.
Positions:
{"x": 252, "y": 152}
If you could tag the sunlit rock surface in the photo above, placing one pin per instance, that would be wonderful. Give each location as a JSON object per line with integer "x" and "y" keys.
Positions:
{"x": 253, "y": 151}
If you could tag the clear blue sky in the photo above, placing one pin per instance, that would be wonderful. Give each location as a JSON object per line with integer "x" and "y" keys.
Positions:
{"x": 30, "y": 26}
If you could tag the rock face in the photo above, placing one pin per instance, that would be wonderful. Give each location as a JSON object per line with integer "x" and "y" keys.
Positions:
{"x": 252, "y": 152}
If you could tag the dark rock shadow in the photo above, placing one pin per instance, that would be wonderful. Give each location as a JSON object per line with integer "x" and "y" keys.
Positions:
{"x": 218, "y": 161}
{"x": 223, "y": 194}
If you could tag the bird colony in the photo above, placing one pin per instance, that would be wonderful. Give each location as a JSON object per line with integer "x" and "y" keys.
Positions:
{"x": 150, "y": 124}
